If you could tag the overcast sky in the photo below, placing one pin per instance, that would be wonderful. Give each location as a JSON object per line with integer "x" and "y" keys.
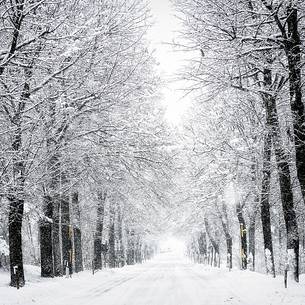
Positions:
{"x": 163, "y": 32}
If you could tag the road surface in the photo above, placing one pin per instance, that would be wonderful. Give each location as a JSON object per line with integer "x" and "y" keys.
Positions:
{"x": 166, "y": 280}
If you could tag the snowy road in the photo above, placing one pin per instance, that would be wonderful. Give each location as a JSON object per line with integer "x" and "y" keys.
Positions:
{"x": 163, "y": 281}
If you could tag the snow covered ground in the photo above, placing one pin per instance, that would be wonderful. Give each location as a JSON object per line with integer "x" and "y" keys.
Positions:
{"x": 166, "y": 280}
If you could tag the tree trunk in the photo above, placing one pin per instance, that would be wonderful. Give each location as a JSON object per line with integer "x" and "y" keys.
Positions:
{"x": 289, "y": 214}
{"x": 78, "y": 250}
{"x": 50, "y": 238}
{"x": 112, "y": 254}
{"x": 282, "y": 161}
{"x": 17, "y": 191}
{"x": 289, "y": 217}
{"x": 202, "y": 243}
{"x": 16, "y": 207}
{"x": 229, "y": 244}
{"x": 293, "y": 52}
{"x": 50, "y": 244}
{"x": 121, "y": 250}
{"x": 46, "y": 249}
{"x": 209, "y": 255}
{"x": 99, "y": 230}
{"x": 243, "y": 236}
{"x": 252, "y": 225}
{"x": 56, "y": 244}
{"x": 225, "y": 226}
{"x": 212, "y": 255}
{"x": 66, "y": 236}
{"x": 214, "y": 242}
{"x": 215, "y": 257}
{"x": 139, "y": 250}
{"x": 131, "y": 247}
{"x": 78, "y": 254}
{"x": 265, "y": 206}
{"x": 253, "y": 213}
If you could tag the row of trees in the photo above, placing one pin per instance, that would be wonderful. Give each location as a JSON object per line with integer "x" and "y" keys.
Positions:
{"x": 79, "y": 123}
{"x": 248, "y": 133}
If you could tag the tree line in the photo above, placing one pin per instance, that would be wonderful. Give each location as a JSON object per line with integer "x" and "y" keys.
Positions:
{"x": 248, "y": 134}
{"x": 81, "y": 134}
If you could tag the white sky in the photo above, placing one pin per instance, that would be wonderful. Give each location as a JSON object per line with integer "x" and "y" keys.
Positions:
{"x": 172, "y": 244}
{"x": 163, "y": 32}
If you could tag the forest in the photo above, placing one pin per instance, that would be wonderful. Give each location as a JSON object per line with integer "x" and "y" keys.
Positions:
{"x": 91, "y": 171}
